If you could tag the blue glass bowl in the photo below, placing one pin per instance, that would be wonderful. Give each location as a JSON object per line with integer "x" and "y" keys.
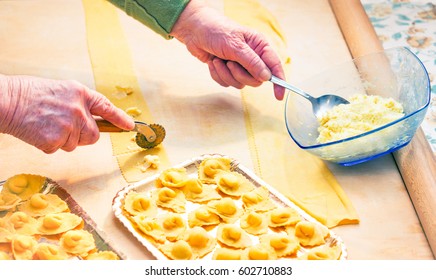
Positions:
{"x": 395, "y": 73}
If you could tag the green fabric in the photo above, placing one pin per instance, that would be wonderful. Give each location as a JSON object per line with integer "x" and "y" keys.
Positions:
{"x": 159, "y": 15}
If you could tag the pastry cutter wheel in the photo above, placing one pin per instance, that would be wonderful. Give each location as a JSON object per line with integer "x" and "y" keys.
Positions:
{"x": 148, "y": 135}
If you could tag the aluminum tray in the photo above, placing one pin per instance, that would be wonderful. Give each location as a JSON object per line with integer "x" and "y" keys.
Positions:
{"x": 191, "y": 166}
{"x": 51, "y": 186}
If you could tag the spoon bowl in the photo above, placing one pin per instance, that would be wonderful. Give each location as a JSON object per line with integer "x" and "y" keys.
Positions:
{"x": 320, "y": 105}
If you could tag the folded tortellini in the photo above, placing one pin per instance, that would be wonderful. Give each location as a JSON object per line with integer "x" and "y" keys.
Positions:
{"x": 8, "y": 201}
{"x": 233, "y": 236}
{"x": 258, "y": 200}
{"x": 254, "y": 223}
{"x": 324, "y": 252}
{"x": 21, "y": 223}
{"x": 6, "y": 231}
{"x": 283, "y": 244}
{"x": 24, "y": 185}
{"x": 259, "y": 252}
{"x": 46, "y": 251}
{"x": 171, "y": 199}
{"x": 200, "y": 241}
{"x": 172, "y": 178}
{"x": 4, "y": 256}
{"x": 173, "y": 225}
{"x": 78, "y": 242}
{"x": 41, "y": 204}
{"x": 56, "y": 223}
{"x": 197, "y": 192}
{"x": 150, "y": 227}
{"x": 102, "y": 255}
{"x": 202, "y": 217}
{"x": 284, "y": 216}
{"x": 226, "y": 209}
{"x": 23, "y": 247}
{"x": 179, "y": 250}
{"x": 139, "y": 204}
{"x": 209, "y": 168}
{"x": 233, "y": 183}
{"x": 222, "y": 253}
{"x": 309, "y": 233}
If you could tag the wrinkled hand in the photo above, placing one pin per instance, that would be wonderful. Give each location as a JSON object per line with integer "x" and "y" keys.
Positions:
{"x": 52, "y": 114}
{"x": 236, "y": 56}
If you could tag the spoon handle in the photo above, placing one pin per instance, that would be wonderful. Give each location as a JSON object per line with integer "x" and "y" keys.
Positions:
{"x": 284, "y": 84}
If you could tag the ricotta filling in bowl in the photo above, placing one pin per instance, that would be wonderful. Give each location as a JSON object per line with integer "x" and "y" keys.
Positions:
{"x": 362, "y": 114}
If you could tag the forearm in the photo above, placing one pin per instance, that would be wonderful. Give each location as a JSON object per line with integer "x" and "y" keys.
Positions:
{"x": 5, "y": 104}
{"x": 191, "y": 20}
{"x": 158, "y": 15}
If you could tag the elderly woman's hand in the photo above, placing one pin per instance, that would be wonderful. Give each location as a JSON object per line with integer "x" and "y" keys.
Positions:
{"x": 236, "y": 56}
{"x": 53, "y": 114}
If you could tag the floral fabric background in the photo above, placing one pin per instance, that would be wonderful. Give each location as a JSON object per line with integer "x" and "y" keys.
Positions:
{"x": 412, "y": 24}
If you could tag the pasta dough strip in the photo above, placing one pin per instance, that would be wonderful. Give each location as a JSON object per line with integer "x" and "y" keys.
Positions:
{"x": 113, "y": 67}
{"x": 313, "y": 187}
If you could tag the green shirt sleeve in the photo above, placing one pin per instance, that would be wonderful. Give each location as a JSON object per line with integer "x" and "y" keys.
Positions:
{"x": 159, "y": 15}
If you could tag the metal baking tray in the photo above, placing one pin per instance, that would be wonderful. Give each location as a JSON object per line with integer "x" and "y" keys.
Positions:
{"x": 191, "y": 166}
{"x": 51, "y": 186}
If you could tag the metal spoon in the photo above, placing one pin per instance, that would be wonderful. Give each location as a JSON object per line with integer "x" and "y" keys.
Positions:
{"x": 320, "y": 104}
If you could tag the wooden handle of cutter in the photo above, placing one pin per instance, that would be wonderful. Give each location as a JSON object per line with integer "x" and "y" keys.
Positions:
{"x": 416, "y": 162}
{"x": 105, "y": 126}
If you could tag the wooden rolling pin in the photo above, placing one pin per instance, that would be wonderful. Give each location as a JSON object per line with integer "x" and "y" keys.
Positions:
{"x": 416, "y": 162}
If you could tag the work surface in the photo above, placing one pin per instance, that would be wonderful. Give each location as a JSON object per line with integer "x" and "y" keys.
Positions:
{"x": 48, "y": 38}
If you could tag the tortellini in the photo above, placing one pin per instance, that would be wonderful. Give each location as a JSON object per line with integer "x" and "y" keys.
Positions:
{"x": 170, "y": 199}
{"x": 103, "y": 255}
{"x": 324, "y": 252}
{"x": 58, "y": 223}
{"x": 200, "y": 241}
{"x": 226, "y": 209}
{"x": 46, "y": 251}
{"x": 197, "y": 192}
{"x": 283, "y": 244}
{"x": 202, "y": 217}
{"x": 78, "y": 242}
{"x": 258, "y": 200}
{"x": 254, "y": 223}
{"x": 23, "y": 247}
{"x": 24, "y": 185}
{"x": 209, "y": 168}
{"x": 172, "y": 178}
{"x": 311, "y": 234}
{"x": 4, "y": 256}
{"x": 284, "y": 216}
{"x": 150, "y": 227}
{"x": 6, "y": 232}
{"x": 233, "y": 236}
{"x": 173, "y": 225}
{"x": 41, "y": 204}
{"x": 222, "y": 253}
{"x": 139, "y": 203}
{"x": 8, "y": 201}
{"x": 179, "y": 250}
{"x": 233, "y": 183}
{"x": 22, "y": 223}
{"x": 259, "y": 252}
